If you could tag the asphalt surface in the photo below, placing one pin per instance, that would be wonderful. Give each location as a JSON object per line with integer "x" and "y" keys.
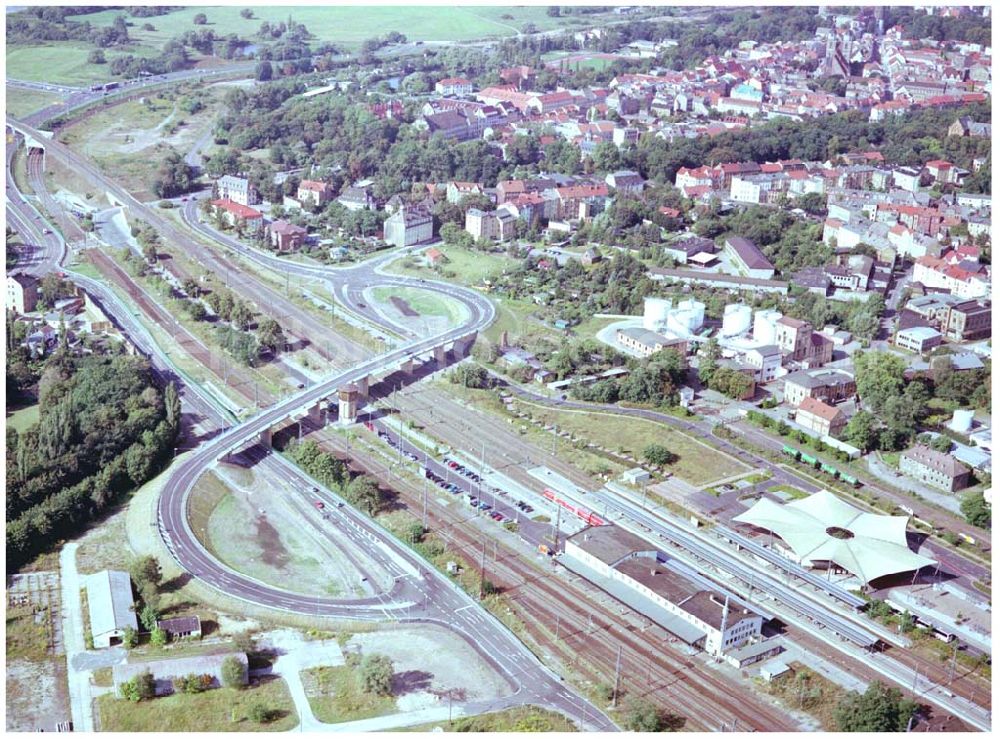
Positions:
{"x": 420, "y": 593}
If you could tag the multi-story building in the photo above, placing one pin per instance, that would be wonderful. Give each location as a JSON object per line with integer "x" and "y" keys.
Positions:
{"x": 22, "y": 293}
{"x": 285, "y": 236}
{"x": 239, "y": 216}
{"x": 957, "y": 279}
{"x": 968, "y": 320}
{"x": 747, "y": 258}
{"x": 829, "y": 385}
{"x": 453, "y": 86}
{"x": 314, "y": 193}
{"x": 936, "y": 469}
{"x": 816, "y": 416}
{"x": 409, "y": 226}
{"x": 766, "y": 361}
{"x": 918, "y": 339}
{"x": 494, "y": 225}
{"x": 237, "y": 189}
{"x": 800, "y": 343}
{"x": 645, "y": 342}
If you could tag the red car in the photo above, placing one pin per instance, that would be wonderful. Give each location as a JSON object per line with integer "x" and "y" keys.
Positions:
{"x": 320, "y": 504}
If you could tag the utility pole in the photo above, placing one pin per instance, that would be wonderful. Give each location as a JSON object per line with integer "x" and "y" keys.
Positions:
{"x": 954, "y": 659}
{"x": 618, "y": 677}
{"x": 482, "y": 572}
{"x": 425, "y": 500}
{"x": 558, "y": 521}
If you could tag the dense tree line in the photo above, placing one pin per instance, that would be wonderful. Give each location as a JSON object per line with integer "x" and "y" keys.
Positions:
{"x": 104, "y": 428}
{"x": 361, "y": 491}
{"x": 910, "y": 139}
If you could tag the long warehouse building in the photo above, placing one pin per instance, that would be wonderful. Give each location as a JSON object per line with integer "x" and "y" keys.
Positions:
{"x": 638, "y": 574}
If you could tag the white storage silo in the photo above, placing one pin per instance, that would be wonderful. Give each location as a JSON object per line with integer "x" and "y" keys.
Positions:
{"x": 687, "y": 318}
{"x": 961, "y": 421}
{"x": 655, "y": 312}
{"x": 765, "y": 326}
{"x": 736, "y": 320}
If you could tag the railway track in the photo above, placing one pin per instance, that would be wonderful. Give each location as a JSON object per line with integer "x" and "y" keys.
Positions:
{"x": 589, "y": 636}
{"x": 234, "y": 376}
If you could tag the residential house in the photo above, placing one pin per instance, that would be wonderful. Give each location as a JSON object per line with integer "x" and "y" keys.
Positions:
{"x": 966, "y": 280}
{"x": 814, "y": 415}
{"x": 358, "y": 198}
{"x": 316, "y": 194}
{"x": 494, "y": 225}
{"x": 829, "y": 385}
{"x": 409, "y": 226}
{"x": 625, "y": 183}
{"x": 454, "y": 86}
{"x": 933, "y": 468}
{"x": 237, "y": 189}
{"x": 457, "y": 190}
{"x": 238, "y": 216}
{"x": 285, "y": 236}
{"x": 22, "y": 293}
{"x": 800, "y": 343}
{"x": 965, "y": 126}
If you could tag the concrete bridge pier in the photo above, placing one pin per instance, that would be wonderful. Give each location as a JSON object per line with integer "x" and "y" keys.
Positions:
{"x": 440, "y": 355}
{"x": 362, "y": 385}
{"x": 348, "y": 408}
{"x": 265, "y": 438}
{"x": 464, "y": 345}
{"x": 407, "y": 367}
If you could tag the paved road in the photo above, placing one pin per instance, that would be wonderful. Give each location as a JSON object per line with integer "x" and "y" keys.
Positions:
{"x": 420, "y": 594}
{"x": 77, "y": 98}
{"x": 81, "y": 706}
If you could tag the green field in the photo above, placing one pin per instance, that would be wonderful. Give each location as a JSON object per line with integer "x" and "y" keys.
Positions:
{"x": 520, "y": 719}
{"x": 222, "y": 709}
{"x": 467, "y": 266}
{"x": 424, "y": 302}
{"x": 598, "y": 64}
{"x": 270, "y": 550}
{"x": 62, "y": 62}
{"x": 335, "y": 696}
{"x": 21, "y": 102}
{"x": 347, "y": 25}
{"x": 23, "y": 418}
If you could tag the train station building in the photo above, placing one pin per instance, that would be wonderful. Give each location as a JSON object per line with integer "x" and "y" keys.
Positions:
{"x": 666, "y": 591}
{"x": 824, "y": 531}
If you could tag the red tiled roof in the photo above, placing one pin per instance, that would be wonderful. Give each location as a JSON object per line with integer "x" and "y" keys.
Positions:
{"x": 817, "y": 407}
{"x": 240, "y": 211}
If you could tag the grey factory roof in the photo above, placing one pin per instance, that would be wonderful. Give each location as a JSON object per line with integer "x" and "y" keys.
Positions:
{"x": 610, "y": 544}
{"x": 110, "y": 602}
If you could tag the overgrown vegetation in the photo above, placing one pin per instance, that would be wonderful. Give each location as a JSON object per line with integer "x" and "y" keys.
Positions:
{"x": 104, "y": 428}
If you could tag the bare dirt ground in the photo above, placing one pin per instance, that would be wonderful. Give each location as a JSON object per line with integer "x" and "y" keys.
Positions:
{"x": 36, "y": 695}
{"x": 429, "y": 663}
{"x": 104, "y": 546}
{"x": 36, "y": 689}
{"x": 285, "y": 543}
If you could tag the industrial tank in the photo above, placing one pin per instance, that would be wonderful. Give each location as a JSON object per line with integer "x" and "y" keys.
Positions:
{"x": 655, "y": 312}
{"x": 736, "y": 320}
{"x": 765, "y": 326}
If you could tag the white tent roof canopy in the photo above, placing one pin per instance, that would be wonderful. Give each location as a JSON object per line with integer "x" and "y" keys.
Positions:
{"x": 823, "y": 527}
